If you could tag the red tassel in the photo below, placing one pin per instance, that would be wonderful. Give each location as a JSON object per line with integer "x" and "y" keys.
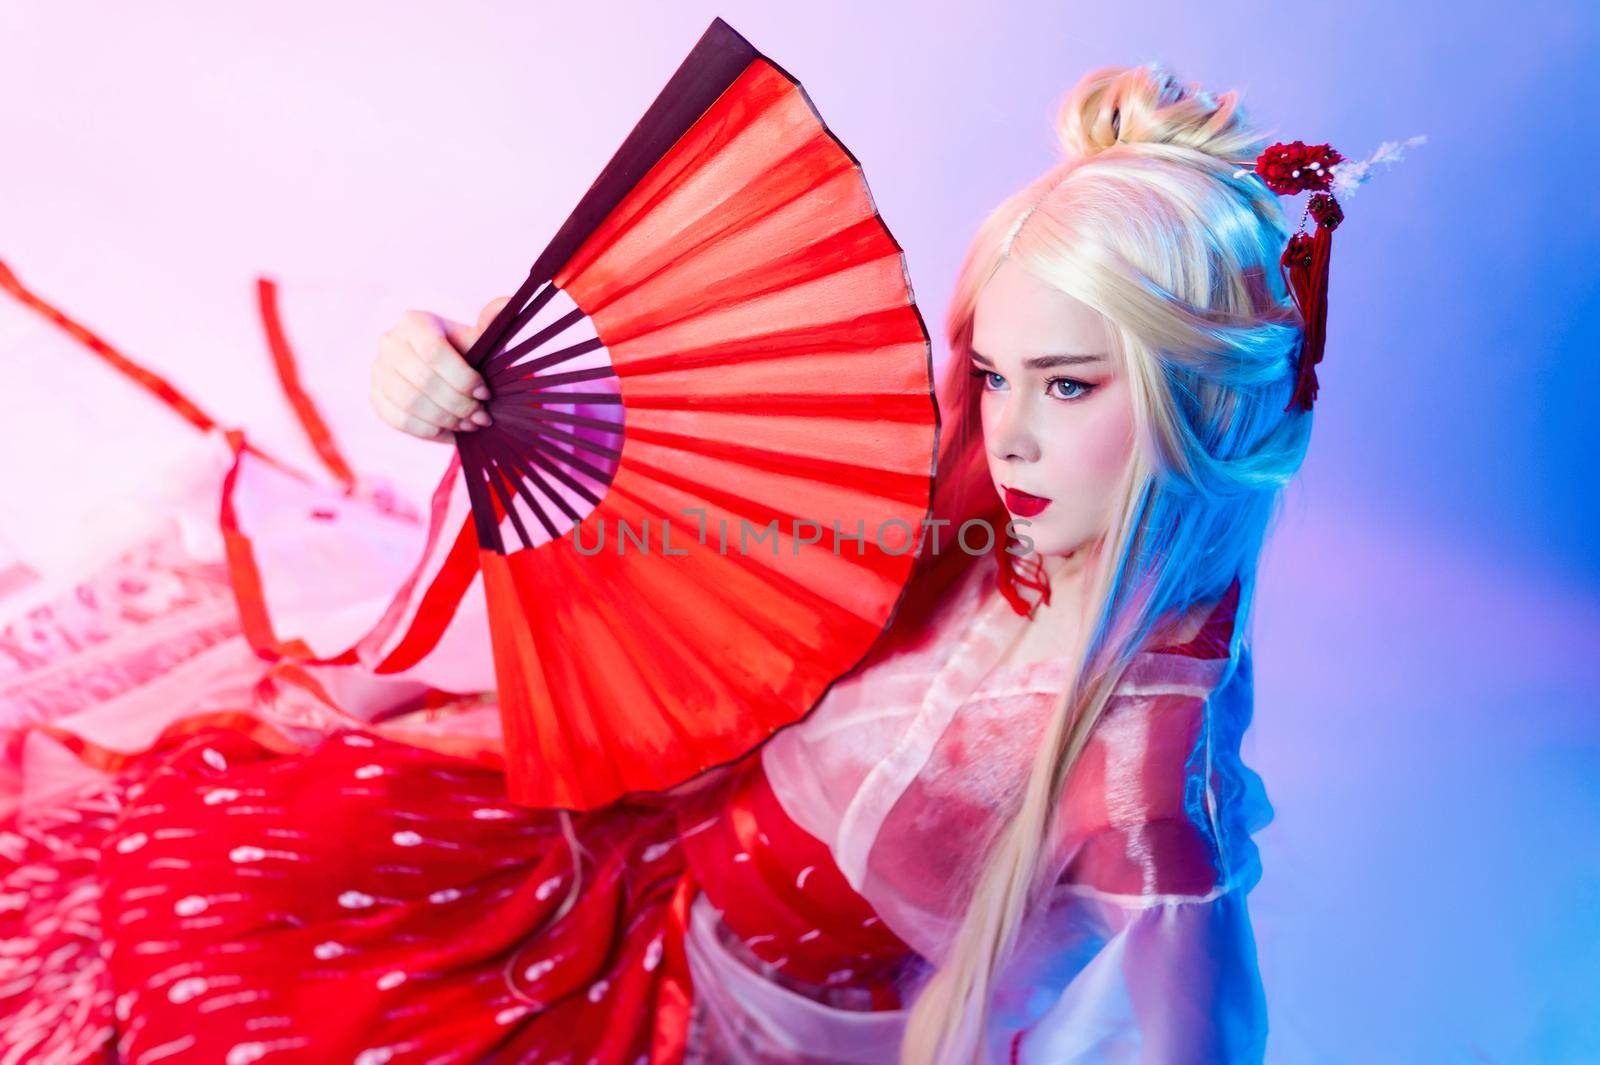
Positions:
{"x": 1305, "y": 266}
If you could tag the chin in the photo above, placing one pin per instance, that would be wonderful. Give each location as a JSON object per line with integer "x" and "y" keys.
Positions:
{"x": 1049, "y": 542}
{"x": 1046, "y": 541}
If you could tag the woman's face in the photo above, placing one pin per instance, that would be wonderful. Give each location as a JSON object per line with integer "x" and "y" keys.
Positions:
{"x": 1057, "y": 414}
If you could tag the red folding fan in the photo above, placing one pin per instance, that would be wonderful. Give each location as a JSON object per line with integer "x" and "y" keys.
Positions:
{"x": 713, "y": 442}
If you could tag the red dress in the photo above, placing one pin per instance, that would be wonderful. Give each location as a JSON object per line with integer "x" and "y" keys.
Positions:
{"x": 314, "y": 903}
{"x": 376, "y": 901}
{"x": 210, "y": 856}
{"x": 225, "y": 896}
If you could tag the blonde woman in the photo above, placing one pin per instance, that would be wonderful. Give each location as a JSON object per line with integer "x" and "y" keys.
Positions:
{"x": 1021, "y": 830}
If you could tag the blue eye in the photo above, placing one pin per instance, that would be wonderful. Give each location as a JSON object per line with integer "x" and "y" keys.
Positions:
{"x": 1079, "y": 389}
{"x": 1082, "y": 389}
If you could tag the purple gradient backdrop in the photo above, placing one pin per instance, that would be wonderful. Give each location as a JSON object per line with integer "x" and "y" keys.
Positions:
{"x": 1427, "y": 721}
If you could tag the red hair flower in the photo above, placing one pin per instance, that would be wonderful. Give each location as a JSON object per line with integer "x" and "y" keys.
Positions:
{"x": 1297, "y": 167}
{"x": 1318, "y": 169}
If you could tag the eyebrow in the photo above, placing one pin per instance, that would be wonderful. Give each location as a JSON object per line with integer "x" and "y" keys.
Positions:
{"x": 1044, "y": 362}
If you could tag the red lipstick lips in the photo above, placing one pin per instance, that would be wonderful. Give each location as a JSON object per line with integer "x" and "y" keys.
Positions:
{"x": 1023, "y": 504}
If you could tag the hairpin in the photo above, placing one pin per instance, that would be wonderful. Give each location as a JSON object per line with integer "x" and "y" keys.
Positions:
{"x": 1293, "y": 167}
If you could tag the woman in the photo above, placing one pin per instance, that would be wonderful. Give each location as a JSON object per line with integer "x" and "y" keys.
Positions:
{"x": 1121, "y": 336}
{"x": 1019, "y": 831}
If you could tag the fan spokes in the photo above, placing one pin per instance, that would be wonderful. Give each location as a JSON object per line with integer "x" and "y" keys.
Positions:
{"x": 553, "y": 449}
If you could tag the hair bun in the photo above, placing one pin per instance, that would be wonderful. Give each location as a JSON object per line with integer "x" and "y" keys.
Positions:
{"x": 1147, "y": 104}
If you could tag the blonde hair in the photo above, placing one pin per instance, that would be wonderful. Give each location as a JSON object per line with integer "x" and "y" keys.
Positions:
{"x": 1146, "y": 221}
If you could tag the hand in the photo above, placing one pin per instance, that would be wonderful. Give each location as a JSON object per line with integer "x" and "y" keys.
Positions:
{"x": 420, "y": 383}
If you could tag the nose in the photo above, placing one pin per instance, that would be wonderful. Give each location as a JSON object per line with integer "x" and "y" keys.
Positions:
{"x": 1010, "y": 435}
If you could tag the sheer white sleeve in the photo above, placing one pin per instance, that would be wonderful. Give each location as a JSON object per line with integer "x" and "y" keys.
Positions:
{"x": 1146, "y": 954}
{"x": 1106, "y": 979}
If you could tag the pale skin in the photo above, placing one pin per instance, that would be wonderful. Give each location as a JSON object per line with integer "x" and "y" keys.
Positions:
{"x": 421, "y": 385}
{"x": 1058, "y": 423}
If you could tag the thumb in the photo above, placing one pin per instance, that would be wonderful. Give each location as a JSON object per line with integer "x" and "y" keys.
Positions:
{"x": 464, "y": 336}
{"x": 486, "y": 315}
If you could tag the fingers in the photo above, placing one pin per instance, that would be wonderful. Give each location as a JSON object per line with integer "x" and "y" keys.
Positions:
{"x": 420, "y": 383}
{"x": 435, "y": 341}
{"x": 407, "y": 423}
{"x": 463, "y": 337}
{"x": 415, "y": 383}
{"x": 415, "y": 403}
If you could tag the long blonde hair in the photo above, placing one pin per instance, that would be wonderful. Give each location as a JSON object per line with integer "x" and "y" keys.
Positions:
{"x": 1146, "y": 221}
